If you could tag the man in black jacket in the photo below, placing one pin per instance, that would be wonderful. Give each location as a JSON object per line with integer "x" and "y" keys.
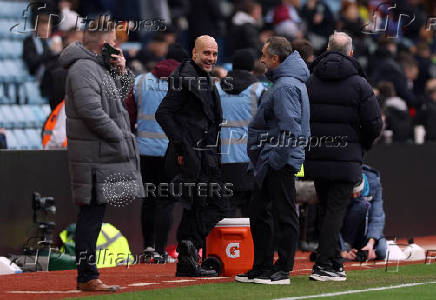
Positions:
{"x": 345, "y": 120}
{"x": 190, "y": 116}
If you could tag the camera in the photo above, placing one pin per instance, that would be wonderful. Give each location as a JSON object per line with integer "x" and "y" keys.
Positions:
{"x": 362, "y": 255}
{"x": 43, "y": 203}
{"x": 44, "y": 209}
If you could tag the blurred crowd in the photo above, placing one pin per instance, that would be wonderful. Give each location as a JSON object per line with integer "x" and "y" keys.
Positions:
{"x": 393, "y": 40}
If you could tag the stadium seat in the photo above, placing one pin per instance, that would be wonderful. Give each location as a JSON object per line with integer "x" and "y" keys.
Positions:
{"x": 22, "y": 140}
{"x": 12, "y": 9}
{"x": 19, "y": 120}
{"x": 8, "y": 116}
{"x": 34, "y": 138}
{"x": 33, "y": 94}
{"x": 10, "y": 49}
{"x": 11, "y": 140}
{"x": 30, "y": 120}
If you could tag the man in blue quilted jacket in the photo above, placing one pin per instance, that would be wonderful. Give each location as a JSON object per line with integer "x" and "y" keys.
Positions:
{"x": 277, "y": 136}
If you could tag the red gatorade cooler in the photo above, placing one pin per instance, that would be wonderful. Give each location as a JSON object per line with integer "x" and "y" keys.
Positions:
{"x": 231, "y": 243}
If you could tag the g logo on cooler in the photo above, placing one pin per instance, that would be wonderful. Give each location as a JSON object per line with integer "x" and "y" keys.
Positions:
{"x": 232, "y": 250}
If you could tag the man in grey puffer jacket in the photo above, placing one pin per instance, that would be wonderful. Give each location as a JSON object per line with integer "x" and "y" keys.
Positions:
{"x": 102, "y": 153}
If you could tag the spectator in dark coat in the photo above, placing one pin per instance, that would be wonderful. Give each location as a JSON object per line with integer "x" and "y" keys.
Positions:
{"x": 204, "y": 19}
{"x": 423, "y": 60}
{"x": 396, "y": 112}
{"x": 320, "y": 22}
{"x": 36, "y": 50}
{"x": 427, "y": 114}
{"x": 245, "y": 30}
{"x": 401, "y": 75}
{"x": 345, "y": 120}
{"x": 54, "y": 78}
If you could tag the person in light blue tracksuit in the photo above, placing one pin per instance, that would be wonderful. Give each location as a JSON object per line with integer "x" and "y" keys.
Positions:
{"x": 365, "y": 219}
{"x": 239, "y": 93}
{"x": 277, "y": 136}
{"x": 150, "y": 89}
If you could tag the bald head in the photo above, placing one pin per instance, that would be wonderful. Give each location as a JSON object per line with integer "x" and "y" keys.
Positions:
{"x": 205, "y": 40}
{"x": 341, "y": 42}
{"x": 205, "y": 52}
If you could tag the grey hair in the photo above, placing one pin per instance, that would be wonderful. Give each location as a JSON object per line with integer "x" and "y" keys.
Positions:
{"x": 280, "y": 46}
{"x": 340, "y": 42}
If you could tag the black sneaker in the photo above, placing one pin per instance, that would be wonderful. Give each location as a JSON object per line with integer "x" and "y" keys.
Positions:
{"x": 264, "y": 277}
{"x": 340, "y": 270}
{"x": 327, "y": 274}
{"x": 273, "y": 277}
{"x": 248, "y": 277}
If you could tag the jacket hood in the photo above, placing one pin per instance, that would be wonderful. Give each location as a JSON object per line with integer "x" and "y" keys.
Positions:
{"x": 367, "y": 168}
{"x": 165, "y": 67}
{"x": 292, "y": 66}
{"x": 241, "y": 79}
{"x": 333, "y": 65}
{"x": 76, "y": 51}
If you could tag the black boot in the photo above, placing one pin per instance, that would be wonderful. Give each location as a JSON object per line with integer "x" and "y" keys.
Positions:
{"x": 187, "y": 265}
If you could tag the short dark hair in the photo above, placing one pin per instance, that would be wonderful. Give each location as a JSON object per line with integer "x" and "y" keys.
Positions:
{"x": 243, "y": 59}
{"x": 303, "y": 47}
{"x": 406, "y": 60}
{"x": 247, "y": 6}
{"x": 280, "y": 46}
{"x": 96, "y": 28}
{"x": 386, "y": 89}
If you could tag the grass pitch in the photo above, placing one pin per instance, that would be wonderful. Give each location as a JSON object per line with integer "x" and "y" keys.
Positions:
{"x": 359, "y": 285}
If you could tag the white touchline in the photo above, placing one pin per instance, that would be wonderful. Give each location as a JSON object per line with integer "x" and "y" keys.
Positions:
{"x": 43, "y": 292}
{"x": 358, "y": 291}
{"x": 180, "y": 280}
{"x": 142, "y": 283}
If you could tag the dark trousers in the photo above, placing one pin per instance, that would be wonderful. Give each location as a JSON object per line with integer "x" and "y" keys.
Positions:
{"x": 88, "y": 228}
{"x": 334, "y": 197}
{"x": 274, "y": 220}
{"x": 156, "y": 214}
{"x": 239, "y": 204}
{"x": 198, "y": 221}
{"x": 204, "y": 210}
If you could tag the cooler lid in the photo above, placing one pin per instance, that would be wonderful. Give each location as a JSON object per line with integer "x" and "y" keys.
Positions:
{"x": 229, "y": 222}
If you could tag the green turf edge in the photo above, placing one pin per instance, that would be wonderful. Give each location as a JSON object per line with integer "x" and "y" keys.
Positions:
{"x": 300, "y": 285}
{"x": 421, "y": 292}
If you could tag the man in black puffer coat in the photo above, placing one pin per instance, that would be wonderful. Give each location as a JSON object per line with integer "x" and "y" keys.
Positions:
{"x": 345, "y": 120}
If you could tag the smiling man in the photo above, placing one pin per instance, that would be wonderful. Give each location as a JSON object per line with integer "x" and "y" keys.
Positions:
{"x": 190, "y": 115}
